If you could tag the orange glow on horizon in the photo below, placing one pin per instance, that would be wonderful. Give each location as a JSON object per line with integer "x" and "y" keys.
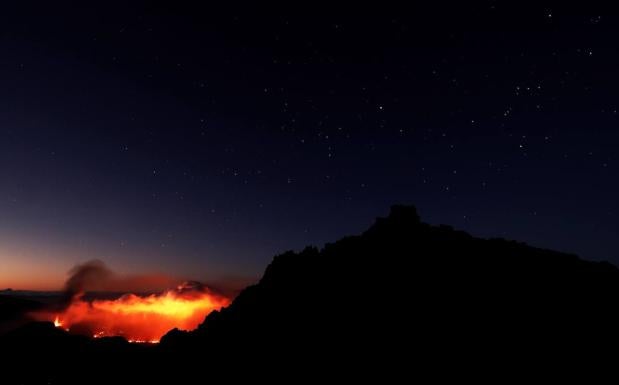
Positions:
{"x": 138, "y": 319}
{"x": 30, "y": 280}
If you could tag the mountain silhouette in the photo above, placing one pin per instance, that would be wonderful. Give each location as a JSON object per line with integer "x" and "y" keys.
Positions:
{"x": 402, "y": 300}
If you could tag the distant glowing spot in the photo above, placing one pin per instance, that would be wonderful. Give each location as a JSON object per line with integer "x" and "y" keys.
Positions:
{"x": 143, "y": 341}
{"x": 139, "y": 319}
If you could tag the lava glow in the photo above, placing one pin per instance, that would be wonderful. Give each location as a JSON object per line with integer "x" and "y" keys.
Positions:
{"x": 139, "y": 319}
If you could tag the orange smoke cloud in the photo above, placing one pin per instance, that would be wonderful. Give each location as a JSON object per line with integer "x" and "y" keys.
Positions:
{"x": 137, "y": 318}
{"x": 96, "y": 276}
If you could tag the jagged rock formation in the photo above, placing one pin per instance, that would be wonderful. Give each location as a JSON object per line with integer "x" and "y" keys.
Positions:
{"x": 452, "y": 302}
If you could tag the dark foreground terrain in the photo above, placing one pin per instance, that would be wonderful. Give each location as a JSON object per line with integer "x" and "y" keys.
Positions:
{"x": 402, "y": 300}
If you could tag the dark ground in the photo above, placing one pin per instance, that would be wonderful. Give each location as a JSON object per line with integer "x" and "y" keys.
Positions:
{"x": 402, "y": 300}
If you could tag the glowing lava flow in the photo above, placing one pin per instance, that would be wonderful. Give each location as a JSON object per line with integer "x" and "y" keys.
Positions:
{"x": 139, "y": 319}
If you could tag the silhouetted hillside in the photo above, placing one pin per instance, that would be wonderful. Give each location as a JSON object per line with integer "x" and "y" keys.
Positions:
{"x": 14, "y": 308}
{"x": 402, "y": 299}
{"x": 11, "y": 306}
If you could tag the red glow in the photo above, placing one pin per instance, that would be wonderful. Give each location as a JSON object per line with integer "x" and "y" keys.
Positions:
{"x": 138, "y": 319}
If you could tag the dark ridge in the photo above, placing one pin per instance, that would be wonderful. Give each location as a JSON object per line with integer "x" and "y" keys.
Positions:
{"x": 402, "y": 300}
{"x": 14, "y": 310}
{"x": 432, "y": 292}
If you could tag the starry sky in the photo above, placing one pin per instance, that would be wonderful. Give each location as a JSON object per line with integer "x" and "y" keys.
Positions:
{"x": 199, "y": 141}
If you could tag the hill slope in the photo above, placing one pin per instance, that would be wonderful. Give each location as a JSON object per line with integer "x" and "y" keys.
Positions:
{"x": 401, "y": 299}
{"x": 432, "y": 291}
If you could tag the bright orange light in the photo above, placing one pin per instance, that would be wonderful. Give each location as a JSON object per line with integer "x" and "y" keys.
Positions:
{"x": 138, "y": 319}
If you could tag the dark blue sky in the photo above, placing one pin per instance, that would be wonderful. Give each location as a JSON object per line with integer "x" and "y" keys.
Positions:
{"x": 200, "y": 141}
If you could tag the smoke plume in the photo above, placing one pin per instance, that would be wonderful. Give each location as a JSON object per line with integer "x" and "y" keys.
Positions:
{"x": 143, "y": 313}
{"x": 94, "y": 275}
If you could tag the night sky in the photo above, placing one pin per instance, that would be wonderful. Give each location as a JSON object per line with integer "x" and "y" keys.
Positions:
{"x": 198, "y": 141}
